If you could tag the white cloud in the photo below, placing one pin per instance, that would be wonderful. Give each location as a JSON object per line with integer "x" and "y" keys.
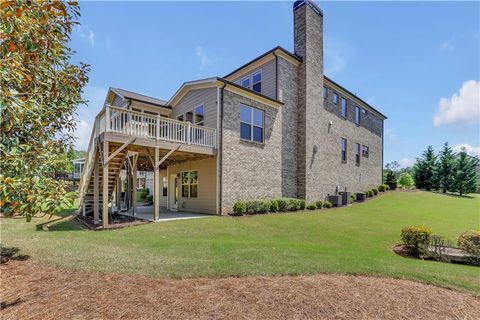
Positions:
{"x": 406, "y": 162}
{"x": 87, "y": 34}
{"x": 471, "y": 150}
{"x": 337, "y": 55}
{"x": 446, "y": 46}
{"x": 82, "y": 135}
{"x": 462, "y": 108}
{"x": 203, "y": 57}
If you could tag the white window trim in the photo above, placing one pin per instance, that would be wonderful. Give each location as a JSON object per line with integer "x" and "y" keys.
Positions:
{"x": 250, "y": 79}
{"x": 252, "y": 125}
{"x": 189, "y": 184}
{"x": 358, "y": 115}
{"x": 359, "y": 154}
{"x": 261, "y": 79}
{"x": 341, "y": 106}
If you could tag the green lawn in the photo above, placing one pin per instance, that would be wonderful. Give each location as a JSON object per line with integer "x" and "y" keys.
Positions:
{"x": 353, "y": 240}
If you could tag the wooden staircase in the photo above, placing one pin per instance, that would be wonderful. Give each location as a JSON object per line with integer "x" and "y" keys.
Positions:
{"x": 114, "y": 168}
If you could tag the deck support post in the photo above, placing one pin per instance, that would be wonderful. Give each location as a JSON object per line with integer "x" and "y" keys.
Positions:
{"x": 134, "y": 185}
{"x": 105, "y": 185}
{"x": 96, "y": 191}
{"x": 118, "y": 194}
{"x": 156, "y": 188}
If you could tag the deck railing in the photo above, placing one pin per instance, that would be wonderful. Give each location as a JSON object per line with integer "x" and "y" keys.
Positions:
{"x": 142, "y": 125}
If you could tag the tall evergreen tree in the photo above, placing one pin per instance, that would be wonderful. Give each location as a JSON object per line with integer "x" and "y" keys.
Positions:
{"x": 445, "y": 169}
{"x": 425, "y": 173}
{"x": 390, "y": 179}
{"x": 465, "y": 176}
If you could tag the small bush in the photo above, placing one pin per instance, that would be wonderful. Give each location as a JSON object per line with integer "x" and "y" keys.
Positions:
{"x": 416, "y": 239}
{"x": 353, "y": 197}
{"x": 273, "y": 205}
{"x": 469, "y": 241}
{"x": 142, "y": 194}
{"x": 263, "y": 206}
{"x": 327, "y": 204}
{"x": 319, "y": 204}
{"x": 301, "y": 204}
{"x": 282, "y": 204}
{"x": 312, "y": 206}
{"x": 239, "y": 208}
{"x": 375, "y": 191}
{"x": 293, "y": 204}
{"x": 253, "y": 206}
{"x": 369, "y": 193}
{"x": 387, "y": 187}
{"x": 382, "y": 188}
{"x": 149, "y": 199}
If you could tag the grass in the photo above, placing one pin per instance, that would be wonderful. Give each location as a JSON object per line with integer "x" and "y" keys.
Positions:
{"x": 353, "y": 240}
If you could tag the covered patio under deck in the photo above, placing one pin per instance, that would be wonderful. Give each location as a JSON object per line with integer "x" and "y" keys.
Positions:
{"x": 147, "y": 212}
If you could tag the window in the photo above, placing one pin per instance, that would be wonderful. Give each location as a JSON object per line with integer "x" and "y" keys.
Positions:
{"x": 357, "y": 114}
{"x": 325, "y": 92}
{"x": 357, "y": 154}
{"x": 257, "y": 81}
{"x": 365, "y": 151}
{"x": 180, "y": 117}
{"x": 246, "y": 82}
{"x": 199, "y": 115}
{"x": 344, "y": 107}
{"x": 190, "y": 184}
{"x": 344, "y": 150}
{"x": 189, "y": 116}
{"x": 335, "y": 98}
{"x": 251, "y": 124}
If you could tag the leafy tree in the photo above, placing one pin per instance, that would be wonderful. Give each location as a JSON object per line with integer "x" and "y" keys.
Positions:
{"x": 391, "y": 180}
{"x": 425, "y": 171}
{"x": 40, "y": 91}
{"x": 445, "y": 170}
{"x": 465, "y": 176}
{"x": 405, "y": 180}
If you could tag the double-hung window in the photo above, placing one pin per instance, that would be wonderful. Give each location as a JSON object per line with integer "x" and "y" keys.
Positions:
{"x": 246, "y": 82}
{"x": 190, "y": 184}
{"x": 335, "y": 98}
{"x": 199, "y": 115}
{"x": 357, "y": 114}
{"x": 344, "y": 107}
{"x": 344, "y": 149}
{"x": 357, "y": 154}
{"x": 325, "y": 92}
{"x": 365, "y": 151}
{"x": 251, "y": 123}
{"x": 257, "y": 81}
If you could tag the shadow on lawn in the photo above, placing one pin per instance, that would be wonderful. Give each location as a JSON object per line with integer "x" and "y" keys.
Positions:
{"x": 454, "y": 195}
{"x": 11, "y": 253}
{"x": 66, "y": 222}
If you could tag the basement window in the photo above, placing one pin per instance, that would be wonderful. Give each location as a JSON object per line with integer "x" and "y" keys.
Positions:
{"x": 190, "y": 184}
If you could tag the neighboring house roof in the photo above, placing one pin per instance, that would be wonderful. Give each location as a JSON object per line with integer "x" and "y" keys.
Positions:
{"x": 220, "y": 82}
{"x": 140, "y": 97}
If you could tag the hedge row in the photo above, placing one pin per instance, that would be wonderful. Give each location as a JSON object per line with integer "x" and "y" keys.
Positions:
{"x": 375, "y": 191}
{"x": 248, "y": 207}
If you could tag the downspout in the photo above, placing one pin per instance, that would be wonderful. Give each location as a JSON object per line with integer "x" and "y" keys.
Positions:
{"x": 383, "y": 148}
{"x": 276, "y": 75}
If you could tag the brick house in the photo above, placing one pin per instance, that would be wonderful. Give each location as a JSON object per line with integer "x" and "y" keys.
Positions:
{"x": 274, "y": 127}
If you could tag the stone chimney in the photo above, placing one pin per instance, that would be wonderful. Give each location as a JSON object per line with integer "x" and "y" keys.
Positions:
{"x": 308, "y": 44}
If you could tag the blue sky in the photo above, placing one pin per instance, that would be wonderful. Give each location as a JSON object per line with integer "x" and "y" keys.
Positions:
{"x": 407, "y": 59}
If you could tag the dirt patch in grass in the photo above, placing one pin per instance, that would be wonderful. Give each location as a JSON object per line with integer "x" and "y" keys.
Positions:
{"x": 33, "y": 291}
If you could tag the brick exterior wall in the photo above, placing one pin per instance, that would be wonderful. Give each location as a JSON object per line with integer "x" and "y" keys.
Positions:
{"x": 250, "y": 170}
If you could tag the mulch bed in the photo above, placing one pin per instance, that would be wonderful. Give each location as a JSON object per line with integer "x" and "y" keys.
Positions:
{"x": 33, "y": 291}
{"x": 115, "y": 221}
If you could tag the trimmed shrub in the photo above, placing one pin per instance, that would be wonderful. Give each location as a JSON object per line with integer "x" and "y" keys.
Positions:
{"x": 327, "y": 204}
{"x": 387, "y": 187}
{"x": 149, "y": 199}
{"x": 382, "y": 188}
{"x": 469, "y": 241}
{"x": 353, "y": 197}
{"x": 375, "y": 191}
{"x": 319, "y": 204}
{"x": 239, "y": 208}
{"x": 312, "y": 206}
{"x": 142, "y": 194}
{"x": 292, "y": 204}
{"x": 282, "y": 204}
{"x": 301, "y": 204}
{"x": 273, "y": 205}
{"x": 263, "y": 206}
{"x": 416, "y": 239}
{"x": 369, "y": 193}
{"x": 253, "y": 206}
